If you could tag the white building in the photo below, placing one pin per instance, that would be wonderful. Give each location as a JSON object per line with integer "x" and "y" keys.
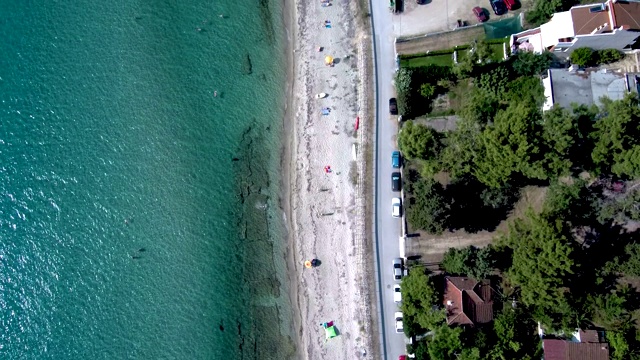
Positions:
{"x": 614, "y": 24}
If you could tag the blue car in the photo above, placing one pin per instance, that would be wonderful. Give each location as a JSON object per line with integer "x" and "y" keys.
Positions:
{"x": 395, "y": 159}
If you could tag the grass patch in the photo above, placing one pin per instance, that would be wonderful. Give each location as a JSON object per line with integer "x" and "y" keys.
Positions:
{"x": 440, "y": 60}
{"x": 497, "y": 52}
{"x": 458, "y": 94}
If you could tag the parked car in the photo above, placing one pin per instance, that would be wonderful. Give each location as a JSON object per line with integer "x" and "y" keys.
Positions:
{"x": 498, "y": 7}
{"x": 396, "y": 207}
{"x": 393, "y": 106}
{"x": 511, "y": 4}
{"x": 397, "y": 295}
{"x": 396, "y": 181}
{"x": 397, "y": 268}
{"x": 480, "y": 14}
{"x": 399, "y": 325}
{"x": 395, "y": 159}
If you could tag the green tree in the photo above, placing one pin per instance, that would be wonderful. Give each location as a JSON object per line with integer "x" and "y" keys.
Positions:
{"x": 460, "y": 148}
{"x": 464, "y": 68}
{"x": 470, "y": 354}
{"x": 610, "y": 310}
{"x": 495, "y": 81}
{"x": 404, "y": 89}
{"x": 618, "y": 344}
{"x": 483, "y": 51}
{"x": 471, "y": 261}
{"x": 511, "y": 145}
{"x": 404, "y": 77}
{"x": 582, "y": 56}
{"x": 417, "y": 141}
{"x": 542, "y": 262}
{"x": 574, "y": 202}
{"x": 427, "y": 90}
{"x": 628, "y": 263}
{"x": 418, "y": 299}
{"x": 527, "y": 89}
{"x": 445, "y": 343}
{"x": 514, "y": 336}
{"x": 617, "y": 137}
{"x": 560, "y": 134}
{"x": 526, "y": 63}
{"x": 607, "y": 56}
{"x": 480, "y": 107}
{"x": 428, "y": 209}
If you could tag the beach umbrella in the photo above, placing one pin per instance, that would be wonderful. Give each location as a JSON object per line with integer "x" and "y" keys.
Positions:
{"x": 328, "y": 60}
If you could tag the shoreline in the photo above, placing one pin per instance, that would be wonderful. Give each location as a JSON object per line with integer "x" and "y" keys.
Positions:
{"x": 324, "y": 212}
{"x": 289, "y": 131}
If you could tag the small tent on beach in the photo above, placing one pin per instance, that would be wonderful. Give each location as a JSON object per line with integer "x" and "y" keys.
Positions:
{"x": 329, "y": 330}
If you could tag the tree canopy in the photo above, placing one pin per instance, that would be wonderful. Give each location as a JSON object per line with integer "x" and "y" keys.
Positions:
{"x": 617, "y": 138}
{"x": 542, "y": 261}
{"x": 417, "y": 141}
{"x": 511, "y": 145}
{"x": 428, "y": 208}
{"x": 418, "y": 299}
{"x": 470, "y": 261}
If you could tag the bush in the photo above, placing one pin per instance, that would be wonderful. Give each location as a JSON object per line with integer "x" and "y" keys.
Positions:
{"x": 582, "y": 56}
{"x": 427, "y": 90}
{"x": 607, "y": 56}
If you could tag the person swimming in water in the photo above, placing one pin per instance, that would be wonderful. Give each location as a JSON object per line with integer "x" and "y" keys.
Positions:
{"x": 215, "y": 93}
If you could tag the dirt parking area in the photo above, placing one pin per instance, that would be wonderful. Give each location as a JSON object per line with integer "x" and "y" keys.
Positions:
{"x": 437, "y": 16}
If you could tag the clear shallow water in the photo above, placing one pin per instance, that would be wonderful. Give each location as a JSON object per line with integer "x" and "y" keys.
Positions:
{"x": 126, "y": 228}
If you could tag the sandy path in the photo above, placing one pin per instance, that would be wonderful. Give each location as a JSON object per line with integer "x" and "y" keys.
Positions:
{"x": 325, "y": 207}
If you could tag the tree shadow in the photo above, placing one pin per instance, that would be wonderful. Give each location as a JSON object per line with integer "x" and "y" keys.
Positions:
{"x": 475, "y": 207}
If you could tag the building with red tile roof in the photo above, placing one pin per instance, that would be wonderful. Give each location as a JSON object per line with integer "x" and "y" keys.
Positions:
{"x": 468, "y": 301}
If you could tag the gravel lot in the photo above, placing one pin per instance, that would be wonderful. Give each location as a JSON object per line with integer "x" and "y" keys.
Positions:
{"x": 438, "y": 15}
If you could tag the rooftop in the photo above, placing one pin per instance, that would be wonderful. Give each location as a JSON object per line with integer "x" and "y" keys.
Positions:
{"x": 585, "y": 87}
{"x": 468, "y": 301}
{"x": 567, "y": 350}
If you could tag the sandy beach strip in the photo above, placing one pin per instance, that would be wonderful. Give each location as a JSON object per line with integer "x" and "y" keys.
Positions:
{"x": 325, "y": 210}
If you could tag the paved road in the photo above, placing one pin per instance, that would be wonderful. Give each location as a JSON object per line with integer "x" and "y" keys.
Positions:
{"x": 387, "y": 228}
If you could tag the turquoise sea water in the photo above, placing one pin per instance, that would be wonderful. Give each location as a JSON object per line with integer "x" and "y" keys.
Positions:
{"x": 139, "y": 213}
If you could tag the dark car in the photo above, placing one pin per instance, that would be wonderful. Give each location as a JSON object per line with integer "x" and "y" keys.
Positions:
{"x": 498, "y": 7}
{"x": 395, "y": 181}
{"x": 393, "y": 106}
{"x": 395, "y": 159}
{"x": 480, "y": 14}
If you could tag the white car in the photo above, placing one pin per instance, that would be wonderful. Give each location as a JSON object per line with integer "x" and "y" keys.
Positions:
{"x": 399, "y": 325}
{"x": 397, "y": 269}
{"x": 396, "y": 205}
{"x": 397, "y": 295}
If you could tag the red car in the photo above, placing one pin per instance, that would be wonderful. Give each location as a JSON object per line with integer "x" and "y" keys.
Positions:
{"x": 402, "y": 357}
{"x": 480, "y": 14}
